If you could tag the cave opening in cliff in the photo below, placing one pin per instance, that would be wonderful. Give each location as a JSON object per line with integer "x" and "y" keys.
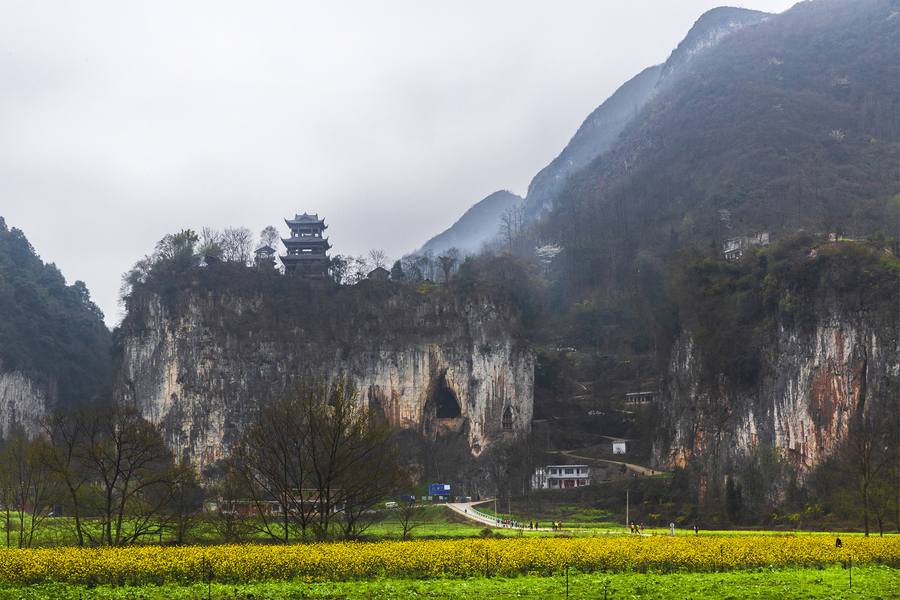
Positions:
{"x": 442, "y": 401}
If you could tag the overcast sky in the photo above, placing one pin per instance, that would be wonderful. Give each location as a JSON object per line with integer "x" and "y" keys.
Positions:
{"x": 121, "y": 122}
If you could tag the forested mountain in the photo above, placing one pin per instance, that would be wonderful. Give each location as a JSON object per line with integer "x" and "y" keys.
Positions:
{"x": 50, "y": 332}
{"x": 790, "y": 124}
{"x": 601, "y": 129}
{"x": 597, "y": 134}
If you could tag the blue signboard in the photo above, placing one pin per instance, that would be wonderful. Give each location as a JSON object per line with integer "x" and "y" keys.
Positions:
{"x": 406, "y": 498}
{"x": 439, "y": 489}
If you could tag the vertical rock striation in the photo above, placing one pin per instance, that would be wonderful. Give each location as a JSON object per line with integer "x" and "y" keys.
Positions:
{"x": 433, "y": 363}
{"x": 813, "y": 381}
{"x": 23, "y": 402}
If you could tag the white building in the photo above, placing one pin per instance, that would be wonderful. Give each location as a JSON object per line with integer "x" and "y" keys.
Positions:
{"x": 635, "y": 397}
{"x": 556, "y": 477}
{"x": 733, "y": 248}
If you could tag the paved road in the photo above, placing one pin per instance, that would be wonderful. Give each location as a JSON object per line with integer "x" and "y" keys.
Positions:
{"x": 467, "y": 510}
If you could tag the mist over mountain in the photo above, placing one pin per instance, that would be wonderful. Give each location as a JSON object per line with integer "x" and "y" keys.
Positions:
{"x": 598, "y": 132}
{"x": 479, "y": 225}
{"x": 596, "y": 135}
{"x": 601, "y": 129}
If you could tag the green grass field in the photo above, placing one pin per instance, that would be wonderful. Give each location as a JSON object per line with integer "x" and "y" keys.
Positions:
{"x": 870, "y": 582}
{"x": 432, "y": 522}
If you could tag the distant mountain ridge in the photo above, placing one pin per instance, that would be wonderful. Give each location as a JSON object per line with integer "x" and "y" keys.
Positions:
{"x": 707, "y": 31}
{"x": 596, "y": 135}
{"x": 479, "y": 225}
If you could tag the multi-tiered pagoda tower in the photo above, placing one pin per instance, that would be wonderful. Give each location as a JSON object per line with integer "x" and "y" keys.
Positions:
{"x": 306, "y": 247}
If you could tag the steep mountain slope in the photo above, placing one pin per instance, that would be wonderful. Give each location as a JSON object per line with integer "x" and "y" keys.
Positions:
{"x": 479, "y": 225}
{"x": 601, "y": 129}
{"x": 788, "y": 124}
{"x": 54, "y": 347}
{"x": 596, "y": 135}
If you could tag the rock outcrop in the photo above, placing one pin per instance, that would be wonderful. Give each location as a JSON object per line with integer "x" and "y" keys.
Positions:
{"x": 23, "y": 402}
{"x": 813, "y": 381}
{"x": 433, "y": 362}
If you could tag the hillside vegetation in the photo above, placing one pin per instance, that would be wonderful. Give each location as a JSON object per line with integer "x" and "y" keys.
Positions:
{"x": 51, "y": 332}
{"x": 790, "y": 124}
{"x": 734, "y": 310}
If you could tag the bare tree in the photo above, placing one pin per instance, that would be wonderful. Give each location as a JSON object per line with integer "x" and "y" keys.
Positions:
{"x": 410, "y": 268}
{"x": 318, "y": 460}
{"x": 230, "y": 519}
{"x": 867, "y": 463}
{"x": 63, "y": 430}
{"x": 408, "y": 514}
{"x": 272, "y": 467}
{"x": 448, "y": 260}
{"x": 378, "y": 258}
{"x": 237, "y": 245}
{"x": 358, "y": 268}
{"x": 25, "y": 483}
{"x": 268, "y": 237}
{"x": 129, "y": 468}
{"x": 512, "y": 226}
{"x": 426, "y": 265}
{"x": 354, "y": 460}
{"x": 183, "y": 513}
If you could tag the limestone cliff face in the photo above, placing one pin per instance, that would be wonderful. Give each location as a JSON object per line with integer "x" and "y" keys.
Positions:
{"x": 812, "y": 382}
{"x": 23, "y": 402}
{"x": 434, "y": 363}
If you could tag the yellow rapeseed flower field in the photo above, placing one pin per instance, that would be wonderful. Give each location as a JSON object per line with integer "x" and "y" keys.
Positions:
{"x": 140, "y": 565}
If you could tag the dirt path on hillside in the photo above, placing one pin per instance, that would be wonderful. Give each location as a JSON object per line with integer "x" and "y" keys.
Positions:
{"x": 636, "y": 468}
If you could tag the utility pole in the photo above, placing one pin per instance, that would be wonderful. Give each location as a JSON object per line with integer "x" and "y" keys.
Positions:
{"x": 627, "y": 502}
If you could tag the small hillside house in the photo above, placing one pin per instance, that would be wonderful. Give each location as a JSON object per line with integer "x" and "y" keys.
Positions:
{"x": 379, "y": 274}
{"x": 635, "y": 397}
{"x": 733, "y": 248}
{"x": 557, "y": 477}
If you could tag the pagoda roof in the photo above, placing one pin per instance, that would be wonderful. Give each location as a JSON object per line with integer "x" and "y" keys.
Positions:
{"x": 296, "y": 257}
{"x": 265, "y": 250}
{"x": 304, "y": 259}
{"x": 306, "y": 241}
{"x": 305, "y": 219}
